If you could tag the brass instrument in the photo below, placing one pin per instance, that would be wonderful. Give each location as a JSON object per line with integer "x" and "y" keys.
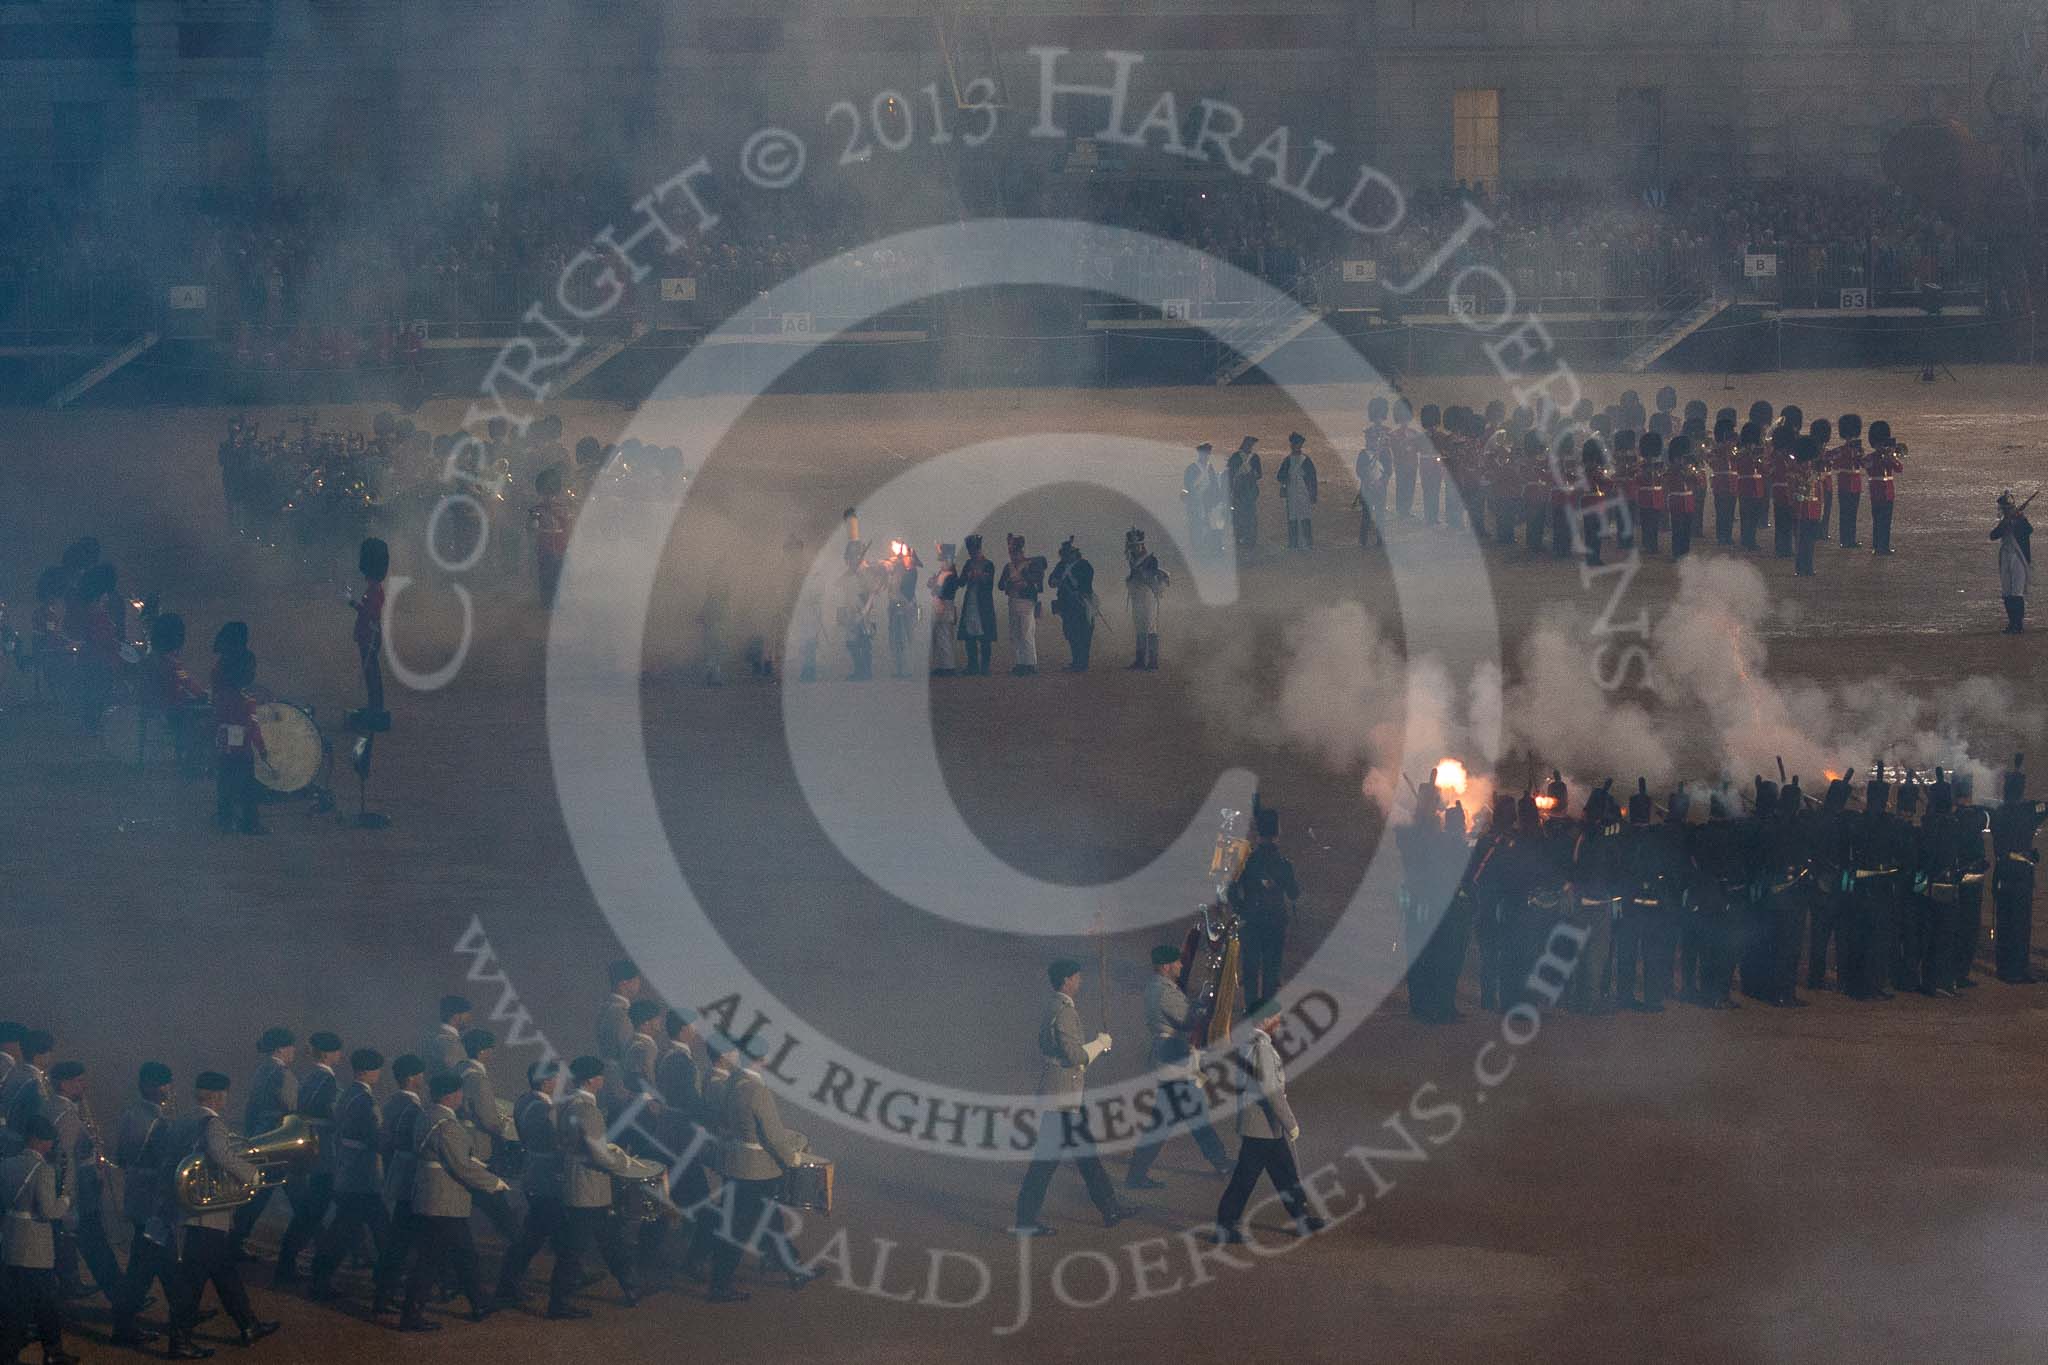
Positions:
{"x": 100, "y": 1163}
{"x": 200, "y": 1187}
{"x": 1209, "y": 970}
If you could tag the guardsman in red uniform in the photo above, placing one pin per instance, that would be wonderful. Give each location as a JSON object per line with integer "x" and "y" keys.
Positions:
{"x": 1804, "y": 480}
{"x": 1846, "y": 461}
{"x": 1887, "y": 461}
{"x": 1651, "y": 498}
{"x": 1721, "y": 471}
{"x": 1682, "y": 492}
{"x": 1784, "y": 519}
{"x": 237, "y": 742}
{"x": 1823, "y": 433}
{"x": 1749, "y": 482}
{"x": 1594, "y": 499}
{"x": 1625, "y": 484}
{"x": 553, "y": 519}
{"x": 1562, "y": 496}
{"x": 1532, "y": 467}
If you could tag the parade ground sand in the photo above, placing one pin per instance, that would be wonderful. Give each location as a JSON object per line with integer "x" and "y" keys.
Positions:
{"x": 1849, "y": 1181}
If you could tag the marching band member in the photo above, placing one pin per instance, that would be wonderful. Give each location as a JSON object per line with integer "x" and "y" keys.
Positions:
{"x": 1721, "y": 464}
{"x": 1266, "y": 1132}
{"x": 402, "y": 1112}
{"x": 754, "y": 1151}
{"x": 82, "y": 1233}
{"x": 443, "y": 1050}
{"x": 1073, "y": 585}
{"x": 1749, "y": 482}
{"x": 208, "y": 1254}
{"x": 28, "y": 1181}
{"x": 1822, "y": 432}
{"x": 11, "y": 1034}
{"x": 273, "y": 1093}
{"x": 138, "y": 1137}
{"x": 1682, "y": 492}
{"x": 1846, "y": 461}
{"x": 1062, "y": 1123}
{"x": 446, "y": 1174}
{"x": 684, "y": 1091}
{"x": 26, "y": 1092}
{"x": 588, "y": 1165}
{"x": 313, "y": 1193}
{"x": 977, "y": 607}
{"x": 1177, "y": 1067}
{"x": 358, "y": 1174}
{"x": 1887, "y": 462}
{"x": 540, "y": 1179}
{"x": 237, "y": 742}
{"x": 1559, "y": 486}
{"x": 1804, "y": 502}
{"x": 944, "y": 586}
{"x": 1022, "y": 581}
{"x": 1145, "y": 583}
{"x": 1784, "y": 513}
{"x": 488, "y": 1125}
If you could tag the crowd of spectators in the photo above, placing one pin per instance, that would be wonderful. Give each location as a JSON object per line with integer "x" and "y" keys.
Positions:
{"x": 479, "y": 254}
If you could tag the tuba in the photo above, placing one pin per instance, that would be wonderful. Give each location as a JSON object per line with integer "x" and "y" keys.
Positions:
{"x": 1209, "y": 959}
{"x": 292, "y": 1146}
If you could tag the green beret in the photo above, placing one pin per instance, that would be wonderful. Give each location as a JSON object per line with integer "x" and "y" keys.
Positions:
{"x": 1164, "y": 954}
{"x": 1265, "y": 1009}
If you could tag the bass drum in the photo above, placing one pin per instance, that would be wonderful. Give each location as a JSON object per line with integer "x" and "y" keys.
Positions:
{"x": 292, "y": 746}
{"x": 129, "y": 735}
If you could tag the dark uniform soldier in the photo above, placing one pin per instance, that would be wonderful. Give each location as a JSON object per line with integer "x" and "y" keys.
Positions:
{"x": 1973, "y": 828}
{"x": 1298, "y": 493}
{"x": 2014, "y": 857}
{"x": 1787, "y": 893}
{"x": 273, "y": 1093}
{"x": 540, "y": 1178}
{"x": 1073, "y": 586}
{"x": 1714, "y": 926}
{"x": 401, "y": 1115}
{"x": 1877, "y": 856}
{"x": 1498, "y": 882}
{"x": 1648, "y": 932}
{"x": 1936, "y": 882}
{"x": 1901, "y": 953}
{"x": 319, "y": 1089}
{"x": 139, "y": 1135}
{"x": 1264, "y": 895}
{"x": 358, "y": 1173}
{"x": 1833, "y": 845}
{"x": 1599, "y": 873}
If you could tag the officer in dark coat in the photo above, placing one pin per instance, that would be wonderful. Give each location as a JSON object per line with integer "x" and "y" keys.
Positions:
{"x": 2013, "y": 858}
{"x": 1876, "y": 858}
{"x": 1973, "y": 832}
{"x": 1714, "y": 921}
{"x": 1264, "y": 895}
{"x": 1832, "y": 845}
{"x": 1073, "y": 586}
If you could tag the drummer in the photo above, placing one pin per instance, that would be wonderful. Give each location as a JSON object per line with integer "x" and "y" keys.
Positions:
{"x": 172, "y": 691}
{"x": 237, "y": 743}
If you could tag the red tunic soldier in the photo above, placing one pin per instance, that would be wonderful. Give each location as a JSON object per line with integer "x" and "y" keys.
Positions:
{"x": 1721, "y": 470}
{"x": 1682, "y": 493}
{"x": 1847, "y": 460}
{"x": 1784, "y": 519}
{"x": 1887, "y": 461}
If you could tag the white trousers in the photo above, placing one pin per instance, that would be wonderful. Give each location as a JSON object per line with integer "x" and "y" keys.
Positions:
{"x": 943, "y": 625}
{"x": 1024, "y": 631}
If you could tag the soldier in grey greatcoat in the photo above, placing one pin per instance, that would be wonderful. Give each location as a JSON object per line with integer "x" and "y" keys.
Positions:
{"x": 540, "y": 1177}
{"x": 358, "y": 1173}
{"x": 1063, "y": 1060}
{"x": 139, "y": 1137}
{"x": 442, "y": 1050}
{"x": 206, "y": 1251}
{"x": 1266, "y": 1130}
{"x": 1176, "y": 1063}
{"x": 28, "y": 1245}
{"x": 490, "y": 1127}
{"x": 312, "y": 1194}
{"x": 402, "y": 1112}
{"x": 446, "y": 1173}
{"x": 273, "y": 1093}
{"x": 754, "y": 1150}
{"x": 588, "y": 1164}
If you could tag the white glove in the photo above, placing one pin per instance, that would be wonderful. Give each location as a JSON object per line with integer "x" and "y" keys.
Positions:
{"x": 1098, "y": 1047}
{"x": 1294, "y": 1133}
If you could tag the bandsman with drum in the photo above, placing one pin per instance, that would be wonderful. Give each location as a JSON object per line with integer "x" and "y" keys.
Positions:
{"x": 755, "y": 1150}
